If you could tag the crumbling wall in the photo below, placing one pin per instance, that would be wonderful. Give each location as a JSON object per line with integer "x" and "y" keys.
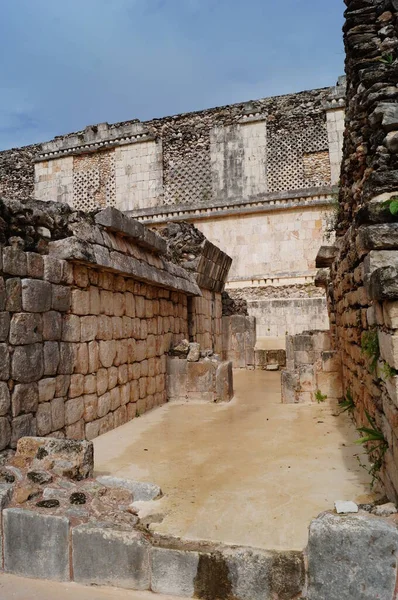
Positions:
{"x": 89, "y": 309}
{"x": 362, "y": 282}
{"x": 17, "y": 170}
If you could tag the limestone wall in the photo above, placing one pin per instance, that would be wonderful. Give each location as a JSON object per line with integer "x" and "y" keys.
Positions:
{"x": 362, "y": 282}
{"x": 86, "y": 321}
{"x": 242, "y": 151}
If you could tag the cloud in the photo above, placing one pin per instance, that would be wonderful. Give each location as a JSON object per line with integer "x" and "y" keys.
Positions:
{"x": 71, "y": 64}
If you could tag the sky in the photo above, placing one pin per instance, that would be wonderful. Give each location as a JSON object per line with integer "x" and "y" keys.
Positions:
{"x": 71, "y": 63}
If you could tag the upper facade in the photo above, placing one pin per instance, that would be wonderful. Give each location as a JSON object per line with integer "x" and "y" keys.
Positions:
{"x": 214, "y": 159}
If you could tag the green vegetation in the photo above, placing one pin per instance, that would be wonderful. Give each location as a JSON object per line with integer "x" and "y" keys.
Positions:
{"x": 376, "y": 447}
{"x": 392, "y": 205}
{"x": 370, "y": 348}
{"x": 319, "y": 397}
{"x": 388, "y": 372}
{"x": 387, "y": 59}
{"x": 347, "y": 405}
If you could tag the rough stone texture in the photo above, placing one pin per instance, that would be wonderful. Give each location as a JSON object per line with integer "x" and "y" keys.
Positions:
{"x": 173, "y": 572}
{"x": 352, "y": 557}
{"x": 239, "y": 340}
{"x": 141, "y": 491}
{"x": 107, "y": 556}
{"x": 36, "y": 545}
{"x": 73, "y": 459}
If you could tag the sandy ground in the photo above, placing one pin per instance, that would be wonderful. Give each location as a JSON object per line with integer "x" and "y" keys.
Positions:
{"x": 19, "y": 588}
{"x": 253, "y": 472}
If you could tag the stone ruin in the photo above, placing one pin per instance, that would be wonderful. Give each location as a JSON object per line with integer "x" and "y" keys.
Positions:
{"x": 91, "y": 305}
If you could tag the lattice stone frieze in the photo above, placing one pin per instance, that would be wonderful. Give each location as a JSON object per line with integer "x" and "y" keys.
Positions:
{"x": 188, "y": 179}
{"x": 94, "y": 181}
{"x": 296, "y": 155}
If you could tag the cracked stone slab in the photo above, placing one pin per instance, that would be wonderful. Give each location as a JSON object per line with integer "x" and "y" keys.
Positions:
{"x": 141, "y": 490}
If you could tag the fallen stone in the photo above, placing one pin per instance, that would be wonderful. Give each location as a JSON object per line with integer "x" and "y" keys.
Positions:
{"x": 181, "y": 349}
{"x": 352, "y": 557}
{"x": 78, "y": 498}
{"x": 194, "y": 352}
{"x": 110, "y": 556}
{"x": 23, "y": 492}
{"x": 141, "y": 491}
{"x": 68, "y": 458}
{"x": 272, "y": 367}
{"x": 385, "y": 510}
{"x": 36, "y": 545}
{"x": 343, "y": 506}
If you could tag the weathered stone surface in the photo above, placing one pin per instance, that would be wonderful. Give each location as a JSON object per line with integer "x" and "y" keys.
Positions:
{"x": 109, "y": 556}
{"x": 43, "y": 419}
{"x": 26, "y": 328}
{"x": 325, "y": 256}
{"x": 176, "y": 379}
{"x": 141, "y": 491}
{"x": 4, "y": 362}
{"x": 4, "y": 325}
{"x": 174, "y": 572}
{"x": 27, "y": 363}
{"x": 51, "y": 357}
{"x": 52, "y": 325}
{"x": 60, "y": 298}
{"x": 351, "y": 557}
{"x": 13, "y": 295}
{"x": 14, "y": 261}
{"x": 194, "y": 352}
{"x": 5, "y": 401}
{"x": 224, "y": 382}
{"x": 36, "y": 295}
{"x": 74, "y": 410}
{"x": 256, "y": 574}
{"x": 36, "y": 545}
{"x": 25, "y": 398}
{"x": 5, "y": 432}
{"x": 24, "y": 425}
{"x": 69, "y": 458}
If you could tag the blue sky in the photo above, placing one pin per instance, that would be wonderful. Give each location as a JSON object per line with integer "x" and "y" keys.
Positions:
{"x": 68, "y": 64}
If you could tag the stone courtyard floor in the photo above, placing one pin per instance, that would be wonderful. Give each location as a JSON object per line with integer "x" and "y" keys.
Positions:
{"x": 253, "y": 472}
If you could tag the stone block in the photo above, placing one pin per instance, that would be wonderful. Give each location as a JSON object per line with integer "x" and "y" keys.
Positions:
{"x": 51, "y": 358}
{"x": 5, "y": 401}
{"x": 89, "y": 328}
{"x": 107, "y": 352}
{"x": 13, "y": 295}
{"x": 4, "y": 362}
{"x": 36, "y": 295}
{"x": 25, "y": 328}
{"x": 174, "y": 572}
{"x": 290, "y": 385}
{"x": 388, "y": 344}
{"x": 60, "y": 298}
{"x": 35, "y": 265}
{"x": 52, "y": 326}
{"x": 176, "y": 378}
{"x": 22, "y": 426}
{"x": 200, "y": 376}
{"x": 5, "y": 432}
{"x": 27, "y": 363}
{"x": 330, "y": 384}
{"x": 140, "y": 490}
{"x": 47, "y": 389}
{"x": 36, "y": 545}
{"x": 224, "y": 388}
{"x": 74, "y": 410}
{"x": 109, "y": 556}
{"x": 331, "y": 361}
{"x": 57, "y": 413}
{"x": 25, "y": 398}
{"x": 43, "y": 419}
{"x": 67, "y": 356}
{"x": 351, "y": 557}
{"x": 14, "y": 261}
{"x": 68, "y": 458}
{"x": 53, "y": 269}
{"x": 71, "y": 328}
{"x": 4, "y": 326}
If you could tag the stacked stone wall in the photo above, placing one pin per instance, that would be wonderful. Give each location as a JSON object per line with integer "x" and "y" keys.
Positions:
{"x": 362, "y": 282}
{"x": 89, "y": 308}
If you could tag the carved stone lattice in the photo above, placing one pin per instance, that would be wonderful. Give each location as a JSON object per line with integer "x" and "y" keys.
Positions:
{"x": 188, "y": 179}
{"x": 94, "y": 181}
{"x": 296, "y": 156}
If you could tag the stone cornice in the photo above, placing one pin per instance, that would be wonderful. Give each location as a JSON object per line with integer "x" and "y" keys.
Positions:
{"x": 271, "y": 202}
